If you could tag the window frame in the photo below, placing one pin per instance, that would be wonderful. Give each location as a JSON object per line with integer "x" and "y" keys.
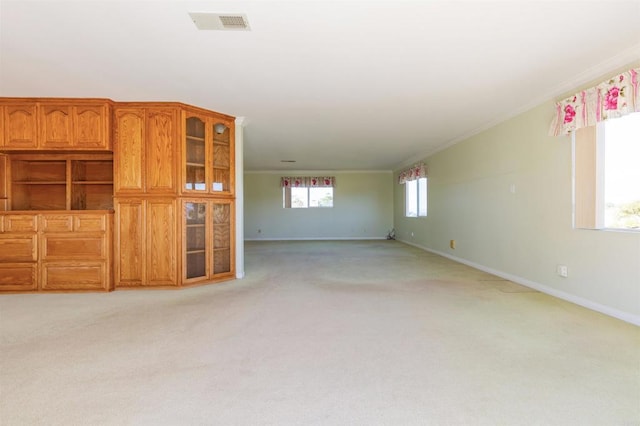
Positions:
{"x": 287, "y": 196}
{"x": 588, "y": 179}
{"x": 421, "y": 194}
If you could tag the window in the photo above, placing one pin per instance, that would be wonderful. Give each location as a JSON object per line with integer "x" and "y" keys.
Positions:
{"x": 302, "y": 198}
{"x": 416, "y": 197}
{"x": 607, "y": 175}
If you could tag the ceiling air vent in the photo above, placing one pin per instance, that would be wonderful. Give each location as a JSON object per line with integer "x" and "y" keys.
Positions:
{"x": 220, "y": 21}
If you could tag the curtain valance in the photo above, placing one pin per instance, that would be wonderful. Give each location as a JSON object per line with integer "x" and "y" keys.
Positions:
{"x": 308, "y": 181}
{"x": 612, "y": 98}
{"x": 417, "y": 171}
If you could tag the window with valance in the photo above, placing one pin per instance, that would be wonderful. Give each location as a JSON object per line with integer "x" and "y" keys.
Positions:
{"x": 307, "y": 191}
{"x": 605, "y": 123}
{"x": 415, "y": 180}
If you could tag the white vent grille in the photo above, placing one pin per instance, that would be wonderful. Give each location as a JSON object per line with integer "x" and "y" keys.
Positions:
{"x": 220, "y": 21}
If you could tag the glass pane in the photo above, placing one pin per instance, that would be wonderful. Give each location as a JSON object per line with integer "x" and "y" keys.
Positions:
{"x": 221, "y": 238}
{"x": 422, "y": 197}
{"x": 320, "y": 197}
{"x": 622, "y": 173}
{"x": 221, "y": 158}
{"x": 195, "y": 155}
{"x": 299, "y": 198}
{"x": 196, "y": 214}
{"x": 411, "y": 198}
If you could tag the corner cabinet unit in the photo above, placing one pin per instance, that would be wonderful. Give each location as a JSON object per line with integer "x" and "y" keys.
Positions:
{"x": 174, "y": 165}
{"x": 97, "y": 195}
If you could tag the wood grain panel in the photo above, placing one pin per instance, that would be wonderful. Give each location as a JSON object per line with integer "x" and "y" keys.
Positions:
{"x": 221, "y": 156}
{"x": 221, "y": 236}
{"x": 56, "y": 223}
{"x": 20, "y": 126}
{"x": 80, "y": 276}
{"x": 55, "y": 126}
{"x": 90, "y": 126}
{"x": 90, "y": 223}
{"x": 18, "y": 277}
{"x": 129, "y": 246}
{"x": 18, "y": 248}
{"x": 162, "y": 243}
{"x": 129, "y": 150}
{"x": 221, "y": 213}
{"x": 73, "y": 246}
{"x": 21, "y": 223}
{"x": 162, "y": 143}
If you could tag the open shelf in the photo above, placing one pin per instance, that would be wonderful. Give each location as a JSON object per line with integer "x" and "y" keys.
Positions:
{"x": 61, "y": 183}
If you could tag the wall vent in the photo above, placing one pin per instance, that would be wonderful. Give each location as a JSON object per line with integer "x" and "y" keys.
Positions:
{"x": 220, "y": 21}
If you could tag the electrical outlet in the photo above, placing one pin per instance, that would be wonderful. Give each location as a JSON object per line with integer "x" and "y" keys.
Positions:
{"x": 563, "y": 271}
{"x": 452, "y": 244}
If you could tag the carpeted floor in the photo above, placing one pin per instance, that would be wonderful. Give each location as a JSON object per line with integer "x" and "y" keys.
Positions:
{"x": 319, "y": 333}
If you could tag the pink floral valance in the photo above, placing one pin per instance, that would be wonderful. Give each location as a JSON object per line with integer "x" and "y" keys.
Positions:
{"x": 612, "y": 98}
{"x": 415, "y": 172}
{"x": 308, "y": 181}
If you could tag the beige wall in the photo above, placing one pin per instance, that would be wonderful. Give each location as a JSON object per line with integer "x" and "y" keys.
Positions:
{"x": 523, "y": 235}
{"x": 363, "y": 208}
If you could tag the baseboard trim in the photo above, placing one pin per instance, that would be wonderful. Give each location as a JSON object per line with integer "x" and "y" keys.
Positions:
{"x": 316, "y": 239}
{"x": 586, "y": 303}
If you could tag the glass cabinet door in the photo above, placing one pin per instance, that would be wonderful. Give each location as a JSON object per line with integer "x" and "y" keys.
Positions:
{"x": 221, "y": 216}
{"x": 195, "y": 161}
{"x": 195, "y": 239}
{"x": 221, "y": 161}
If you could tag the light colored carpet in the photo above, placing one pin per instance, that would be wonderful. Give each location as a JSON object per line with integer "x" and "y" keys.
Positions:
{"x": 319, "y": 333}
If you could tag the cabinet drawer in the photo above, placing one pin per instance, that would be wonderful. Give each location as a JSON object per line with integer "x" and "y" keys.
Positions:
{"x": 90, "y": 223}
{"x": 18, "y": 248}
{"x": 73, "y": 246}
{"x": 71, "y": 222}
{"x": 18, "y": 276}
{"x": 20, "y": 223}
{"x": 74, "y": 276}
{"x": 56, "y": 223}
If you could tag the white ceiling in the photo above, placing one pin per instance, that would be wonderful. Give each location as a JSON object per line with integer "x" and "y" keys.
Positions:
{"x": 335, "y": 85}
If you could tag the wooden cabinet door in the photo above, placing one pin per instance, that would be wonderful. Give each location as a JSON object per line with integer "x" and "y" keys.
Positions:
{"x": 91, "y": 127}
{"x": 129, "y": 155}
{"x": 161, "y": 150}
{"x": 129, "y": 243}
{"x": 55, "y": 126}
{"x": 162, "y": 247}
{"x": 223, "y": 238}
{"x": 20, "y": 126}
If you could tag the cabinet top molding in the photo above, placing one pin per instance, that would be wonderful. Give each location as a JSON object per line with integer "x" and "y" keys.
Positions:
{"x": 114, "y": 104}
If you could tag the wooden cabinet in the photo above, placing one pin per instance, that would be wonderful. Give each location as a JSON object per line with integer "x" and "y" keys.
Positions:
{"x": 209, "y": 155}
{"x": 18, "y": 252}
{"x": 146, "y": 243}
{"x": 55, "y": 124}
{"x": 56, "y": 251}
{"x": 207, "y": 240}
{"x": 20, "y": 125}
{"x": 96, "y": 195}
{"x": 72, "y": 126}
{"x": 75, "y": 251}
{"x": 146, "y": 150}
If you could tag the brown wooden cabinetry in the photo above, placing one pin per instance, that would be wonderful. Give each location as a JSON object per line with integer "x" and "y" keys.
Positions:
{"x": 207, "y": 240}
{"x": 20, "y": 125}
{"x": 60, "y": 251}
{"x": 55, "y": 124}
{"x": 97, "y": 195}
{"x": 146, "y": 243}
{"x": 72, "y": 126}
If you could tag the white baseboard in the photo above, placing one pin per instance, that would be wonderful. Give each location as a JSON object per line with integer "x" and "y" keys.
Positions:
{"x": 589, "y": 304}
{"x": 316, "y": 239}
